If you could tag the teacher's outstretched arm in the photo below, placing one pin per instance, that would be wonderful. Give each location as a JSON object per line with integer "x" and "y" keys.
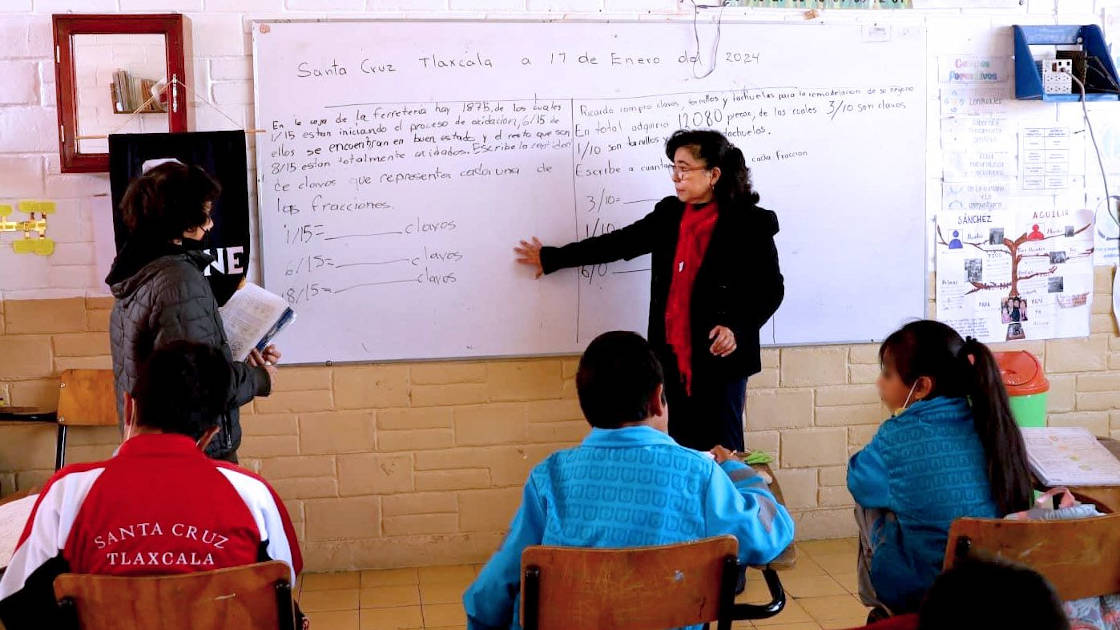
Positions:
{"x": 629, "y": 242}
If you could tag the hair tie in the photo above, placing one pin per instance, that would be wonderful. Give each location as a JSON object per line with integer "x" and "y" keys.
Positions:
{"x": 968, "y": 348}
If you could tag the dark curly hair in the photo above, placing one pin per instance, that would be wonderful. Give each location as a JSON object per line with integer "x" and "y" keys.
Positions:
{"x": 734, "y": 185}
{"x": 168, "y": 200}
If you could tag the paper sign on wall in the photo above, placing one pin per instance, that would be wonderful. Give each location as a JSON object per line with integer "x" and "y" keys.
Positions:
{"x": 977, "y": 148}
{"x": 962, "y": 100}
{"x": 965, "y": 69}
{"x": 1015, "y": 274}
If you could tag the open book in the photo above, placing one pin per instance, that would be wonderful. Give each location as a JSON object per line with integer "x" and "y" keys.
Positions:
{"x": 252, "y": 317}
{"x": 1070, "y": 456}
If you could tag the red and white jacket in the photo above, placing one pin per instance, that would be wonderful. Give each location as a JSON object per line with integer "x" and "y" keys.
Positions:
{"x": 158, "y": 507}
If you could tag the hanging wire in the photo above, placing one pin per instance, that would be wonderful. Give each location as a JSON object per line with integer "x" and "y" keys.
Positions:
{"x": 164, "y": 88}
{"x": 1100, "y": 161}
{"x": 696, "y": 33}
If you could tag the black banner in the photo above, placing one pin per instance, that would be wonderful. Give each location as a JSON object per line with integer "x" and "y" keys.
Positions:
{"x": 222, "y": 155}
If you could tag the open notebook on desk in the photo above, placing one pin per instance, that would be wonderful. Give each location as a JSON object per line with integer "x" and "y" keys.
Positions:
{"x": 1070, "y": 456}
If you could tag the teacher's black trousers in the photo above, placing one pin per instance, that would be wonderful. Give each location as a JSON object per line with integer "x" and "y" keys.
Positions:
{"x": 711, "y": 415}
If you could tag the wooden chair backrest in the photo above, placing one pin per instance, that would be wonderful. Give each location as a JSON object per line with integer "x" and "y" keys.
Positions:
{"x": 629, "y": 589}
{"x": 238, "y": 597}
{"x": 87, "y": 398}
{"x": 1081, "y": 558}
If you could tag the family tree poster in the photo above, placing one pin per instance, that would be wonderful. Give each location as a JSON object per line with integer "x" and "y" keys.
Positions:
{"x": 1004, "y": 275}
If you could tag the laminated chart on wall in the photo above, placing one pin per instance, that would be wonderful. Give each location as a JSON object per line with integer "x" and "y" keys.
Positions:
{"x": 395, "y": 179}
{"x": 978, "y": 148}
{"x": 1045, "y": 157}
{"x": 1014, "y": 239}
{"x": 1008, "y": 274}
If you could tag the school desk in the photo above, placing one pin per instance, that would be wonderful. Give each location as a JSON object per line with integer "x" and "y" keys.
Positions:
{"x": 23, "y": 416}
{"x": 788, "y": 558}
{"x": 14, "y": 510}
{"x": 1106, "y": 496}
{"x": 1109, "y": 496}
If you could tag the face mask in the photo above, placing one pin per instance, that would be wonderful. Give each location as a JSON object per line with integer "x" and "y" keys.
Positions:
{"x": 196, "y": 244}
{"x": 907, "y": 403}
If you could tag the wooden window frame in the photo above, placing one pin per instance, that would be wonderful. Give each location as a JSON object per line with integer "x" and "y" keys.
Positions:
{"x": 170, "y": 25}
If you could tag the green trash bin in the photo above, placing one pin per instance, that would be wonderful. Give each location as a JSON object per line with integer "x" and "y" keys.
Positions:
{"x": 1026, "y": 385}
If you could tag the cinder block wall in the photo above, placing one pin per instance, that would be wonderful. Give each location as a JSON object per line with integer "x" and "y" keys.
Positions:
{"x": 411, "y": 464}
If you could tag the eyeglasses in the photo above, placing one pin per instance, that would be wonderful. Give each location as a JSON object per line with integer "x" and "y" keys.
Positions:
{"x": 680, "y": 172}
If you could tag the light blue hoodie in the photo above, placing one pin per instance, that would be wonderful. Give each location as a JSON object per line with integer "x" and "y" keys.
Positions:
{"x": 927, "y": 466}
{"x": 628, "y": 487}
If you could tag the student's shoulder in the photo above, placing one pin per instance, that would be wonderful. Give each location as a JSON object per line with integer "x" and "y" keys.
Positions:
{"x": 73, "y": 481}
{"x": 243, "y": 479}
{"x": 76, "y": 471}
{"x": 698, "y": 462}
{"x": 176, "y": 275}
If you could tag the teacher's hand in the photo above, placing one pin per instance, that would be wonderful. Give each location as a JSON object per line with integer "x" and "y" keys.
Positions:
{"x": 530, "y": 254}
{"x": 724, "y": 343}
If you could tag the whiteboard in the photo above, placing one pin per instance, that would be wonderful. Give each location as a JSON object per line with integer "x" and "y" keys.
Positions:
{"x": 403, "y": 161}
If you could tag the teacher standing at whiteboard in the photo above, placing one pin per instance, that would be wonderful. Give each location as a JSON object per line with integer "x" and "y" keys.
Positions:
{"x": 714, "y": 282}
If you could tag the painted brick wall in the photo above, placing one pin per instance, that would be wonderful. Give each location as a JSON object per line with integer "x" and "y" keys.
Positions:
{"x": 407, "y": 464}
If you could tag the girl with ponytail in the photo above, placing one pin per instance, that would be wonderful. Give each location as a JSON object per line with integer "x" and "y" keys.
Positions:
{"x": 714, "y": 281}
{"x": 951, "y": 450}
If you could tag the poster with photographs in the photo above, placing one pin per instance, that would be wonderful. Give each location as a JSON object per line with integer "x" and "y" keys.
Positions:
{"x": 1004, "y": 275}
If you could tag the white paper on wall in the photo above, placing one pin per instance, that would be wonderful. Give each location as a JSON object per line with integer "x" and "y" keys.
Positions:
{"x": 1004, "y": 275}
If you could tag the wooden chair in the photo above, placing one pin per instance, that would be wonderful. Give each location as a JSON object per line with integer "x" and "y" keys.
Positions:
{"x": 573, "y": 588}
{"x": 86, "y": 398}
{"x": 252, "y": 597}
{"x": 1081, "y": 558}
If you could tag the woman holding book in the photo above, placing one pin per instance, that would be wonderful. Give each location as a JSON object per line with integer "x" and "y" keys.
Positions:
{"x": 162, "y": 294}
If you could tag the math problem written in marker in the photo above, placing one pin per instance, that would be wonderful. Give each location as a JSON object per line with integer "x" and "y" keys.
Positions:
{"x": 394, "y": 185}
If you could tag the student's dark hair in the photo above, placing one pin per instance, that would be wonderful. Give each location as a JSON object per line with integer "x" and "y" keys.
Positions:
{"x": 979, "y": 595}
{"x": 618, "y": 375}
{"x": 168, "y": 200}
{"x": 734, "y": 185}
{"x": 183, "y": 388}
{"x": 962, "y": 368}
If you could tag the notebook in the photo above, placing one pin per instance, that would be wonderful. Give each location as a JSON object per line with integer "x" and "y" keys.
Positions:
{"x": 1070, "y": 456}
{"x": 252, "y": 318}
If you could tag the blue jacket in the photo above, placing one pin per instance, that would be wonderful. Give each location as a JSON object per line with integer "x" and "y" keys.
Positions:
{"x": 927, "y": 467}
{"x": 627, "y": 487}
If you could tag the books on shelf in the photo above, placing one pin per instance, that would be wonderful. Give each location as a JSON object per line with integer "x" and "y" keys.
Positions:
{"x": 129, "y": 93}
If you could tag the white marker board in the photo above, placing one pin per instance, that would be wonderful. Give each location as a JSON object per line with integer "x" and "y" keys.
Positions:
{"x": 403, "y": 161}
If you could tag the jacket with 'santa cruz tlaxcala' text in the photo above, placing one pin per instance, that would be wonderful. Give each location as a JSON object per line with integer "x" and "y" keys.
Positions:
{"x": 158, "y": 507}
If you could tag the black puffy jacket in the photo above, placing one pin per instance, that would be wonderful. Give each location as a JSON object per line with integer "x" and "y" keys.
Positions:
{"x": 163, "y": 296}
{"x": 739, "y": 284}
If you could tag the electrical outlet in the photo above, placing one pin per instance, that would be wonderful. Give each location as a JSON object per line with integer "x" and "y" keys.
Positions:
{"x": 1056, "y": 75}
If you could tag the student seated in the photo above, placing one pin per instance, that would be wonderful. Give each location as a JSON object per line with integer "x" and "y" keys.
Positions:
{"x": 982, "y": 595}
{"x": 979, "y": 595}
{"x": 628, "y": 484}
{"x": 951, "y": 450}
{"x": 159, "y": 506}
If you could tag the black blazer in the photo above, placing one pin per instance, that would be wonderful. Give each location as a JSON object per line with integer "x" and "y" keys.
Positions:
{"x": 739, "y": 284}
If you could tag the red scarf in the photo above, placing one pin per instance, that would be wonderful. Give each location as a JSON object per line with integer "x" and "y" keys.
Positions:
{"x": 697, "y": 224}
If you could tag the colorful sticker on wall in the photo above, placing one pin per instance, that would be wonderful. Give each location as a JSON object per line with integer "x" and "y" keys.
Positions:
{"x": 34, "y": 228}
